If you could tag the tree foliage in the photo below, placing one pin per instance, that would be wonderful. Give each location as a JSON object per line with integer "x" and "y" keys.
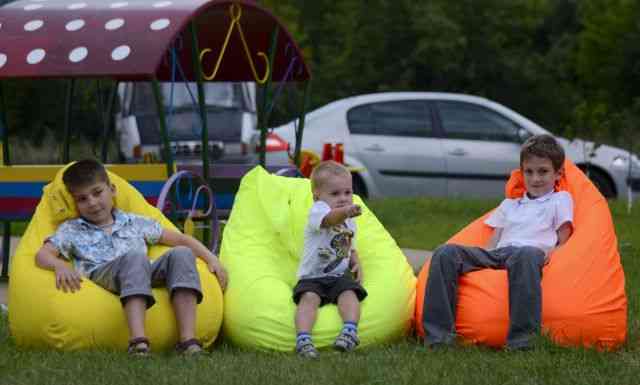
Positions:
{"x": 573, "y": 66}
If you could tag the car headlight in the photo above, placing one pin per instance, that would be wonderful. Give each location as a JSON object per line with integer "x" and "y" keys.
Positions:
{"x": 620, "y": 161}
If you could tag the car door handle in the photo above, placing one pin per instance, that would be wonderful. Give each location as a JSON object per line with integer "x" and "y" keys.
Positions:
{"x": 458, "y": 152}
{"x": 374, "y": 148}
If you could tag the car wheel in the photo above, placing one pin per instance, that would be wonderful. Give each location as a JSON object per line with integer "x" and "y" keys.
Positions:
{"x": 602, "y": 182}
{"x": 358, "y": 187}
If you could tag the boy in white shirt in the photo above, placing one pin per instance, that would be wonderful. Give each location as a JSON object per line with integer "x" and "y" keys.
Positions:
{"x": 330, "y": 261}
{"x": 526, "y": 231}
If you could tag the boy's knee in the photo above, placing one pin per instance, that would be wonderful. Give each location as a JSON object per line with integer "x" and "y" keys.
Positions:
{"x": 183, "y": 254}
{"x": 348, "y": 295}
{"x": 310, "y": 298}
{"x": 527, "y": 255}
{"x": 446, "y": 253}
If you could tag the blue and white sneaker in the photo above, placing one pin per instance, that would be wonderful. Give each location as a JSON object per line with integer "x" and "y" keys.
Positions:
{"x": 346, "y": 341}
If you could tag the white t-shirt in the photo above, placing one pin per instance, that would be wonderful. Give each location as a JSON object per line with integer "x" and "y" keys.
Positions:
{"x": 326, "y": 249}
{"x": 532, "y": 222}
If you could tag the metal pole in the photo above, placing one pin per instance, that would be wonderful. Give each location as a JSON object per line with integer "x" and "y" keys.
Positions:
{"x": 262, "y": 118}
{"x": 301, "y": 120}
{"x": 67, "y": 120}
{"x": 168, "y": 157}
{"x": 106, "y": 128}
{"x": 197, "y": 69}
{"x": 6, "y": 159}
{"x": 6, "y": 249}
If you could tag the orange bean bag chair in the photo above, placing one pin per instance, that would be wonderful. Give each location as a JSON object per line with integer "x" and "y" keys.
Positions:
{"x": 583, "y": 296}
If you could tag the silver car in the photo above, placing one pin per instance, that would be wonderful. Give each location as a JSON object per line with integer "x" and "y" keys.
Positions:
{"x": 444, "y": 144}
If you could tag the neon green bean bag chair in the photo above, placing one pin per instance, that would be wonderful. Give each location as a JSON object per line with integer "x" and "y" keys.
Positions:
{"x": 41, "y": 316}
{"x": 261, "y": 249}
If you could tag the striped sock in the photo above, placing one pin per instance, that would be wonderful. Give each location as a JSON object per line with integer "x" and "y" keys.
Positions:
{"x": 303, "y": 336}
{"x": 350, "y": 326}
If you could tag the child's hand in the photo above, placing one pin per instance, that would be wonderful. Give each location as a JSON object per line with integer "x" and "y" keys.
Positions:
{"x": 67, "y": 279}
{"x": 216, "y": 268}
{"x": 353, "y": 211}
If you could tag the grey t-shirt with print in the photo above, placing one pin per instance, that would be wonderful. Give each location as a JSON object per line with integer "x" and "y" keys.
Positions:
{"x": 326, "y": 249}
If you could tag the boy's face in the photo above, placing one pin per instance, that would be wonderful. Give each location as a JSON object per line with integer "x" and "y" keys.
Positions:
{"x": 336, "y": 191}
{"x": 95, "y": 202}
{"x": 539, "y": 176}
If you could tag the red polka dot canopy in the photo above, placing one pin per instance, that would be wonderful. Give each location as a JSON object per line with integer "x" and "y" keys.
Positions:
{"x": 135, "y": 40}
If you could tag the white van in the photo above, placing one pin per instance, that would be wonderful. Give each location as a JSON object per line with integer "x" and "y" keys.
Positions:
{"x": 231, "y": 122}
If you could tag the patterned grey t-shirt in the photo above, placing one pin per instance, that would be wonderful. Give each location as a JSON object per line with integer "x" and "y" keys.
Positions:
{"x": 89, "y": 246}
{"x": 326, "y": 250}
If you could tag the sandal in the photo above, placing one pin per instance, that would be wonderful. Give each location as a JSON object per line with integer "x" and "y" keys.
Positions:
{"x": 306, "y": 349}
{"x": 139, "y": 347}
{"x": 346, "y": 341}
{"x": 189, "y": 347}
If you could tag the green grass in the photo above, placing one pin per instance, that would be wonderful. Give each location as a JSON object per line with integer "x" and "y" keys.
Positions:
{"x": 414, "y": 223}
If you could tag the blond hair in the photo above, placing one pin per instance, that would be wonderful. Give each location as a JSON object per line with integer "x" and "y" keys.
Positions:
{"x": 325, "y": 170}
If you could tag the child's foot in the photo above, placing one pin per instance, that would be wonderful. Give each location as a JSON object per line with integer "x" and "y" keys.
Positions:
{"x": 191, "y": 347}
{"x": 306, "y": 349}
{"x": 347, "y": 340}
{"x": 139, "y": 347}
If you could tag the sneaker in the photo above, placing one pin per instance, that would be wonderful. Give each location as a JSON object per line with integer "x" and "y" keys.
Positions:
{"x": 346, "y": 341}
{"x": 306, "y": 349}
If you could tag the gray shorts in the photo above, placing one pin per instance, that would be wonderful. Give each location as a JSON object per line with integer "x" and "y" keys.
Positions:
{"x": 133, "y": 274}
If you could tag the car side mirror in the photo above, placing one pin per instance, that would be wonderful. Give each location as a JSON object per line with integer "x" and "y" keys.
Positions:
{"x": 522, "y": 135}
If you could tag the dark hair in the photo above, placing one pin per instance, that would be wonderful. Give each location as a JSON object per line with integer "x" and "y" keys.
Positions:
{"x": 83, "y": 173}
{"x": 543, "y": 146}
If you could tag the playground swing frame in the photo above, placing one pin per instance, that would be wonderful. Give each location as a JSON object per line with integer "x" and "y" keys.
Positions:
{"x": 238, "y": 27}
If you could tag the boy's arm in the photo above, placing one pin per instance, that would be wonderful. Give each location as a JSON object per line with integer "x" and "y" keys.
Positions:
{"x": 174, "y": 238}
{"x": 339, "y": 215}
{"x": 67, "y": 278}
{"x": 495, "y": 238}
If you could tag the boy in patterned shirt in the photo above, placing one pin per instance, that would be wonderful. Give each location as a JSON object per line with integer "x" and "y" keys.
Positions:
{"x": 109, "y": 247}
{"x": 325, "y": 273}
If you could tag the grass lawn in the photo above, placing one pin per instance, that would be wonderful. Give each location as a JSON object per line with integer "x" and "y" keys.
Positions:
{"x": 414, "y": 223}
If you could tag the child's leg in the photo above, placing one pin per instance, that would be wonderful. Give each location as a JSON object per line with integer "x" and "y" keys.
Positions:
{"x": 129, "y": 276}
{"x": 184, "y": 306}
{"x": 135, "y": 308}
{"x": 447, "y": 264}
{"x": 307, "y": 312}
{"x": 176, "y": 269}
{"x": 524, "y": 269}
{"x": 349, "y": 306}
{"x": 349, "y": 309}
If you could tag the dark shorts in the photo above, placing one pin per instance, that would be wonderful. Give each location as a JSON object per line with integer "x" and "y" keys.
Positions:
{"x": 329, "y": 288}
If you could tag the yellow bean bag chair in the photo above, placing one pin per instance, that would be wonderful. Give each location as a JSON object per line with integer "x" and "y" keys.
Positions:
{"x": 42, "y": 316}
{"x": 583, "y": 295}
{"x": 261, "y": 248}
